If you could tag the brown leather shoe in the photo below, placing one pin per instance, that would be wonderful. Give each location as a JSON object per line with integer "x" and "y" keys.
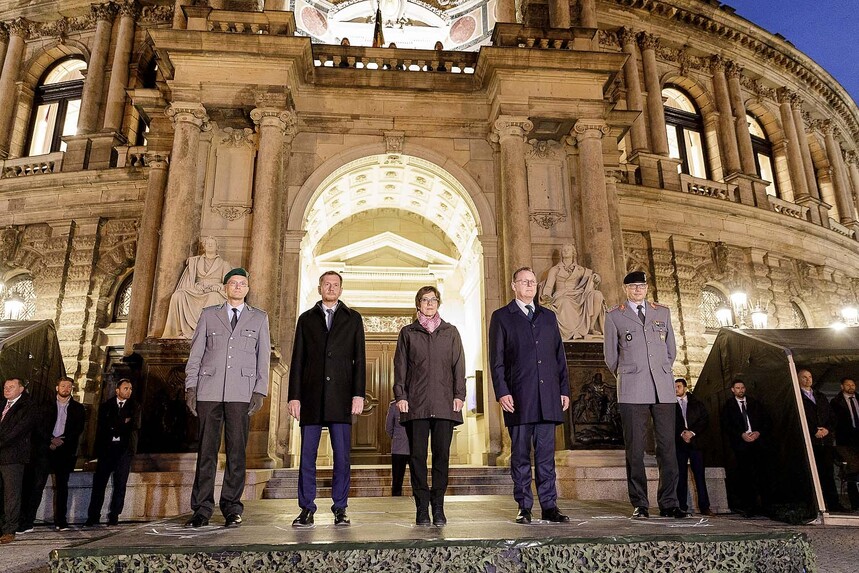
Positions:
{"x": 708, "y": 513}
{"x": 7, "y": 538}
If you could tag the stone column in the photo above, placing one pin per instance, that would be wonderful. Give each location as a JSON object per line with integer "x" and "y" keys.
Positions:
{"x": 588, "y": 15}
{"x": 853, "y": 168}
{"x": 93, "y": 91}
{"x": 634, "y": 99}
{"x": 612, "y": 176}
{"x": 19, "y": 31}
{"x": 843, "y": 197}
{"x": 559, "y": 13}
{"x": 655, "y": 111}
{"x": 119, "y": 69}
{"x": 4, "y": 43}
{"x": 794, "y": 154}
{"x": 727, "y": 131}
{"x": 146, "y": 256}
{"x": 189, "y": 119}
{"x": 272, "y": 125}
{"x": 516, "y": 214}
{"x": 804, "y": 149}
{"x": 744, "y": 138}
{"x": 597, "y": 237}
{"x": 506, "y": 11}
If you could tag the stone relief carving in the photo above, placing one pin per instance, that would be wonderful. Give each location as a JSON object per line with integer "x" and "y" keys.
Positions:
{"x": 386, "y": 323}
{"x": 548, "y": 219}
{"x": 201, "y": 285}
{"x": 233, "y": 178}
{"x": 572, "y": 292}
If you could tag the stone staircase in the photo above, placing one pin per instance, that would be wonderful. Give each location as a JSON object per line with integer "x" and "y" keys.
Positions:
{"x": 375, "y": 481}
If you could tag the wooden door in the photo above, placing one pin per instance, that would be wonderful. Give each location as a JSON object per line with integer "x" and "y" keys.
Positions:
{"x": 370, "y": 443}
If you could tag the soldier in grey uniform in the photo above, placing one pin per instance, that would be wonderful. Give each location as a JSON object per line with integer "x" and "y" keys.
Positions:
{"x": 639, "y": 349}
{"x": 226, "y": 381}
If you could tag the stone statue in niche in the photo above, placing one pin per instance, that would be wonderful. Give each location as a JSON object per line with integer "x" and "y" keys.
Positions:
{"x": 572, "y": 291}
{"x": 201, "y": 285}
{"x": 596, "y": 417}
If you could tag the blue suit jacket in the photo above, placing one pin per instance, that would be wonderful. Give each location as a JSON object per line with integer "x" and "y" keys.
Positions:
{"x": 527, "y": 361}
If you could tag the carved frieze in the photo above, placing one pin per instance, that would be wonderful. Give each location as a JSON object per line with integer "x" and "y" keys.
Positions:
{"x": 548, "y": 219}
{"x": 382, "y": 323}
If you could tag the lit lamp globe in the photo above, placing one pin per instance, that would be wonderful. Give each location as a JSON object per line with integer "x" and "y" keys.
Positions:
{"x": 759, "y": 318}
{"x": 13, "y": 307}
{"x": 724, "y": 316}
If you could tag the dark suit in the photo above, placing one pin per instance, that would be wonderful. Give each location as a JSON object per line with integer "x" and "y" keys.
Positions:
{"x": 527, "y": 362}
{"x": 818, "y": 414}
{"x": 15, "y": 448}
{"x": 60, "y": 461}
{"x": 689, "y": 453}
{"x": 749, "y": 477}
{"x": 847, "y": 443}
{"x": 115, "y": 445}
{"x": 328, "y": 369}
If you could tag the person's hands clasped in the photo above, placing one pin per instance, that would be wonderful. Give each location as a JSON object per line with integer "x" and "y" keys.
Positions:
{"x": 294, "y": 407}
{"x": 357, "y": 405}
{"x": 506, "y": 403}
{"x": 403, "y": 406}
{"x": 191, "y": 400}
{"x": 565, "y": 403}
{"x": 457, "y": 405}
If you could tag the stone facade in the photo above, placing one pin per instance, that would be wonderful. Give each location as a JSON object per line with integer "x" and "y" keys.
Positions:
{"x": 196, "y": 120}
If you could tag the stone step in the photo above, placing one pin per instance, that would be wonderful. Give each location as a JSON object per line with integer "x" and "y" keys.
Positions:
{"x": 383, "y": 491}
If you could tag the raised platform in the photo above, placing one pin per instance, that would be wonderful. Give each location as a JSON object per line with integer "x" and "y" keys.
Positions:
{"x": 481, "y": 535}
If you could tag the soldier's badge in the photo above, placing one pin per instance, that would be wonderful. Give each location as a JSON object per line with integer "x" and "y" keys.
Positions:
{"x": 628, "y": 336}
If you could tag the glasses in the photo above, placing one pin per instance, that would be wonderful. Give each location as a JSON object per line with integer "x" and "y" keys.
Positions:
{"x": 637, "y": 286}
{"x": 236, "y": 284}
{"x": 526, "y": 282}
{"x": 429, "y": 300}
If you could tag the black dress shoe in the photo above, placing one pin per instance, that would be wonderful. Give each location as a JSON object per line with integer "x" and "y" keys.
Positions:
{"x": 438, "y": 517}
{"x": 233, "y": 520}
{"x": 708, "y": 512}
{"x": 640, "y": 513}
{"x": 90, "y": 523}
{"x": 197, "y": 521}
{"x": 674, "y": 512}
{"x": 552, "y": 514}
{"x": 422, "y": 516}
{"x": 340, "y": 517}
{"x": 304, "y": 519}
{"x": 524, "y": 516}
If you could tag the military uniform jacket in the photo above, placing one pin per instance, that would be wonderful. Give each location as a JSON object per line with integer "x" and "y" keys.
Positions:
{"x": 227, "y": 365}
{"x": 328, "y": 368}
{"x": 641, "y": 356}
{"x": 527, "y": 361}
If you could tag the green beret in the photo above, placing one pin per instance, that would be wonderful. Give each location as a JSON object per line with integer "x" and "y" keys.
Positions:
{"x": 237, "y": 271}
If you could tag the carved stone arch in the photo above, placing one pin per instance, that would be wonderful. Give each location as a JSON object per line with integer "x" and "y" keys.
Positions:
{"x": 696, "y": 91}
{"x": 770, "y": 120}
{"x": 805, "y": 310}
{"x": 44, "y": 58}
{"x": 111, "y": 269}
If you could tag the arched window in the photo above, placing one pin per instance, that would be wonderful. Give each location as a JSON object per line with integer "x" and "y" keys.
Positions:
{"x": 799, "y": 320}
{"x": 763, "y": 151}
{"x": 712, "y": 299}
{"x": 57, "y": 105}
{"x": 122, "y": 302}
{"x": 22, "y": 296}
{"x": 685, "y": 132}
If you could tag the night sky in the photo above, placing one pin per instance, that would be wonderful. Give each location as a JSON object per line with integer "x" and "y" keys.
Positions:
{"x": 825, "y": 30}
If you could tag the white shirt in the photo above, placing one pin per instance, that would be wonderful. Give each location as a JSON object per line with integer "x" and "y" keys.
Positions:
{"x": 230, "y": 308}
{"x": 634, "y": 306}
{"x": 740, "y": 403}
{"x": 522, "y": 306}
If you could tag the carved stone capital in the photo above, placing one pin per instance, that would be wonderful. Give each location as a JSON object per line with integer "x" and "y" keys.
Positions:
{"x": 733, "y": 69}
{"x": 128, "y": 8}
{"x": 156, "y": 14}
{"x": 511, "y": 126}
{"x": 590, "y": 129}
{"x": 394, "y": 142}
{"x": 155, "y": 160}
{"x": 273, "y": 117}
{"x": 718, "y": 64}
{"x": 648, "y": 41}
{"x": 104, "y": 12}
{"x": 784, "y": 95}
{"x": 188, "y": 112}
{"x": 852, "y": 158}
{"x": 20, "y": 27}
{"x": 826, "y": 126}
{"x": 4, "y": 32}
{"x": 626, "y": 36}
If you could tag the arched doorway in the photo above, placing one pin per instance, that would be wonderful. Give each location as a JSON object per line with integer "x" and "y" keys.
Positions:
{"x": 391, "y": 223}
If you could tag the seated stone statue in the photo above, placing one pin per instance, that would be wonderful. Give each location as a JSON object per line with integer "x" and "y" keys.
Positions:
{"x": 201, "y": 285}
{"x": 571, "y": 290}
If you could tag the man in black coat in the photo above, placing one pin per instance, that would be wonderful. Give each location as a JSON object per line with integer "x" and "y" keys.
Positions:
{"x": 16, "y": 427}
{"x": 55, "y": 451}
{"x": 115, "y": 445}
{"x": 326, "y": 388}
{"x": 821, "y": 423}
{"x": 845, "y": 410}
{"x": 746, "y": 425}
{"x": 690, "y": 422}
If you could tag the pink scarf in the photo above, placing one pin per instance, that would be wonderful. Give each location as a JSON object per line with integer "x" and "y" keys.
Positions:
{"x": 429, "y": 322}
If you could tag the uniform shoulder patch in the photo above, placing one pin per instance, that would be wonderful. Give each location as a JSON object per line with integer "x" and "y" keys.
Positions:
{"x": 657, "y": 305}
{"x": 615, "y": 307}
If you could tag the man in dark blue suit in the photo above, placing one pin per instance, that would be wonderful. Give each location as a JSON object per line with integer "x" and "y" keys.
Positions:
{"x": 529, "y": 374}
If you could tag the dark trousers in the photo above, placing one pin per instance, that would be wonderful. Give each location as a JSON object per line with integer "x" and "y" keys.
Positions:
{"x": 541, "y": 437}
{"x": 115, "y": 461}
{"x": 233, "y": 419}
{"x": 341, "y": 443}
{"x": 688, "y": 456}
{"x": 11, "y": 481}
{"x": 634, "y": 419}
{"x": 62, "y": 467}
{"x": 439, "y": 433}
{"x": 749, "y": 479}
{"x": 398, "y": 472}
{"x": 35, "y": 477}
{"x": 824, "y": 460}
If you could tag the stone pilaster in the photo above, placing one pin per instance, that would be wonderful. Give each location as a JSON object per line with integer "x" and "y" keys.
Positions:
{"x": 189, "y": 119}
{"x": 664, "y": 289}
{"x": 146, "y": 257}
{"x": 634, "y": 97}
{"x": 689, "y": 285}
{"x": 510, "y": 132}
{"x": 18, "y": 31}
{"x": 559, "y": 13}
{"x": 290, "y": 263}
{"x": 506, "y": 11}
{"x": 587, "y": 14}
{"x": 843, "y": 196}
{"x": 597, "y": 236}
{"x": 852, "y": 160}
{"x": 273, "y": 124}
{"x": 727, "y": 129}
{"x": 4, "y": 43}
{"x": 655, "y": 110}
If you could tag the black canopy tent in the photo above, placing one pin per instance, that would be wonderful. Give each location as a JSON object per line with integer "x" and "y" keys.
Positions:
{"x": 767, "y": 361}
{"x": 29, "y": 350}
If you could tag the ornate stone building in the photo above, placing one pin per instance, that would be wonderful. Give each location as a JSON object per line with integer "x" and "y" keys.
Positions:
{"x": 665, "y": 135}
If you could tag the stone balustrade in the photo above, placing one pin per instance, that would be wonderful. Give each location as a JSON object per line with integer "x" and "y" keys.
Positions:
{"x": 357, "y": 57}
{"x": 274, "y": 23}
{"x": 36, "y": 165}
{"x": 707, "y": 188}
{"x": 130, "y": 155}
{"x": 788, "y": 208}
{"x": 508, "y": 35}
{"x": 840, "y": 229}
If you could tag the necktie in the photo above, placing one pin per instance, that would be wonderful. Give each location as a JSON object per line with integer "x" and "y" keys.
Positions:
{"x": 121, "y": 404}
{"x": 6, "y": 409}
{"x": 854, "y": 411}
{"x": 235, "y": 319}
{"x": 329, "y": 318}
{"x": 683, "y": 410}
{"x": 530, "y": 311}
{"x": 641, "y": 313}
{"x": 745, "y": 415}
